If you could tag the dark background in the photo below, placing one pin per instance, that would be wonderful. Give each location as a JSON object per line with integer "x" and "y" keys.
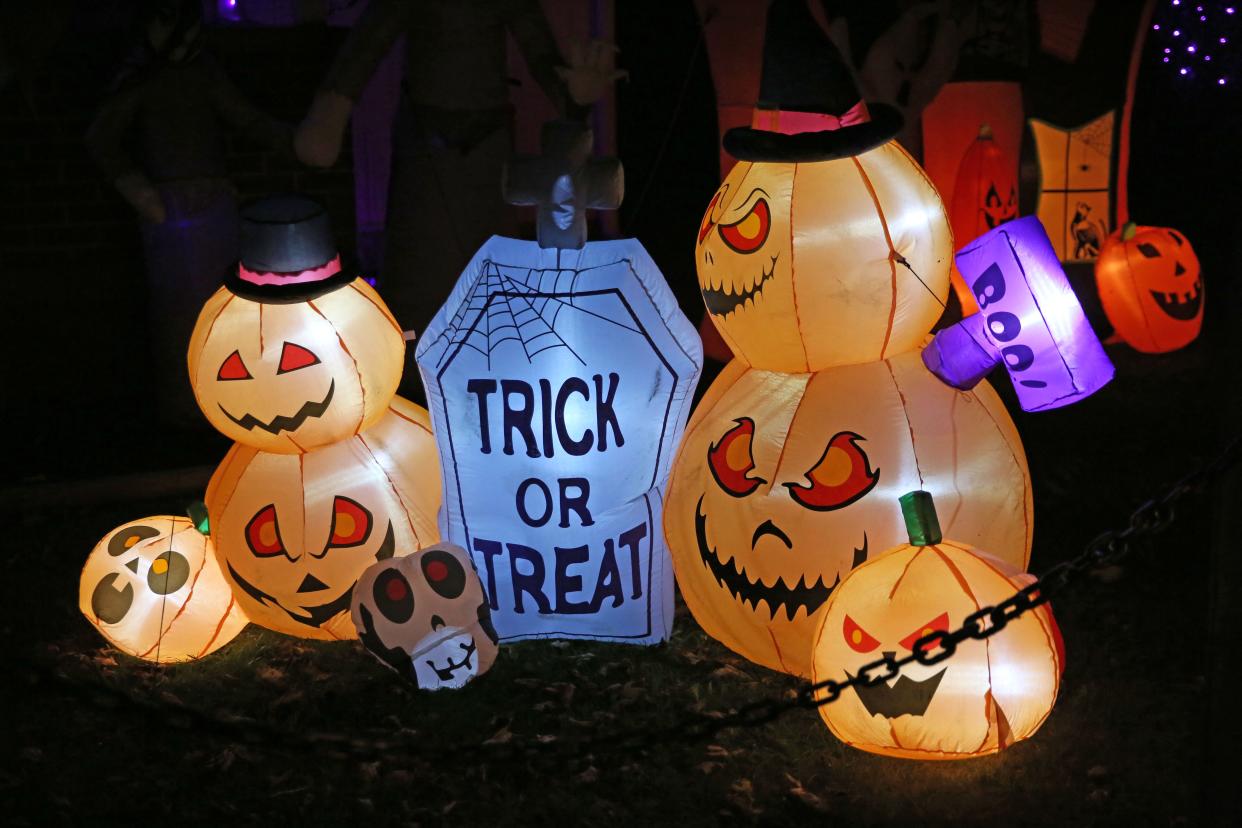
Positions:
{"x": 1143, "y": 733}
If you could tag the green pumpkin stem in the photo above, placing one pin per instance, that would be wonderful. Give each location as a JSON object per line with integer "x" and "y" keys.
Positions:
{"x": 197, "y": 512}
{"x": 922, "y": 524}
{"x": 1128, "y": 231}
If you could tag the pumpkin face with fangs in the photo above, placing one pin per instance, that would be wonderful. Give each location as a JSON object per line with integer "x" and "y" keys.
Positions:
{"x": 784, "y": 483}
{"x": 851, "y": 255}
{"x": 990, "y": 694}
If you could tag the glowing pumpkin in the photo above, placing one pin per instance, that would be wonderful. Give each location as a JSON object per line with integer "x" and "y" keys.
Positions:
{"x": 290, "y": 377}
{"x": 784, "y": 483}
{"x": 833, "y": 247}
{"x": 985, "y": 196}
{"x": 294, "y": 532}
{"x": 1150, "y": 287}
{"x": 425, "y": 616}
{"x": 988, "y": 695}
{"x": 153, "y": 588}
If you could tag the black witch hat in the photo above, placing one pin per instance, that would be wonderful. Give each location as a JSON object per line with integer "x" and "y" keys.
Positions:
{"x": 809, "y": 108}
{"x": 287, "y": 251}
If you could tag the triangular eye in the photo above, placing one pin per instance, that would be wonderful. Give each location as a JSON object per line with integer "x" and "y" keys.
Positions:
{"x": 233, "y": 369}
{"x": 1176, "y": 238}
{"x": 293, "y": 357}
{"x": 1149, "y": 250}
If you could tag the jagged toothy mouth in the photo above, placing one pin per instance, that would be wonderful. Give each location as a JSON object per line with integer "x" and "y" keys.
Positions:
{"x": 1181, "y": 306}
{"x": 280, "y": 422}
{"x": 721, "y": 301}
{"x": 779, "y": 595}
{"x": 904, "y": 697}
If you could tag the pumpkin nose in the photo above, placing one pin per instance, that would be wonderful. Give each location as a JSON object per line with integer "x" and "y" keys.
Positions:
{"x": 311, "y": 584}
{"x": 888, "y": 654}
{"x": 436, "y": 622}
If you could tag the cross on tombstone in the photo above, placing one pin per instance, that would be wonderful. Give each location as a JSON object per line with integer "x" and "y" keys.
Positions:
{"x": 563, "y": 183}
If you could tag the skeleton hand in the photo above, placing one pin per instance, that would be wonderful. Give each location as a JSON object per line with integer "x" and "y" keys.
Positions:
{"x": 591, "y": 70}
{"x": 317, "y": 140}
{"x": 142, "y": 196}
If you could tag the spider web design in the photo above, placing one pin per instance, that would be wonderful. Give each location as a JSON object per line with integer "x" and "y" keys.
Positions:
{"x": 512, "y": 304}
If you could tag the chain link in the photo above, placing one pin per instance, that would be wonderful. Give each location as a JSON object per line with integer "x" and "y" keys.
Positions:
{"x": 1106, "y": 549}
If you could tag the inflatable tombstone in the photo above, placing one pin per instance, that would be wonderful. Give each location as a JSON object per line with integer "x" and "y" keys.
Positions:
{"x": 559, "y": 374}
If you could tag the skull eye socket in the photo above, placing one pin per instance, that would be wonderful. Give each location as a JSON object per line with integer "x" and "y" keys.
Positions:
{"x": 263, "y": 533}
{"x": 351, "y": 523}
{"x": 393, "y": 596}
{"x": 841, "y": 476}
{"x": 860, "y": 640}
{"x": 108, "y": 603}
{"x": 294, "y": 357}
{"x": 444, "y": 573}
{"x": 938, "y": 624}
{"x": 731, "y": 460}
{"x": 128, "y": 538}
{"x": 233, "y": 368}
{"x": 168, "y": 573}
{"x": 749, "y": 233}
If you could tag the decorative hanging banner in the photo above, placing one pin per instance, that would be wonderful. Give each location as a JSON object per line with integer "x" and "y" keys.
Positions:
{"x": 559, "y": 382}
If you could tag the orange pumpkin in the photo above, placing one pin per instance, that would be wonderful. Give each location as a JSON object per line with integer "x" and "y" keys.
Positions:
{"x": 153, "y": 588}
{"x": 988, "y": 695}
{"x": 806, "y": 266}
{"x": 784, "y": 482}
{"x": 291, "y": 376}
{"x": 1150, "y": 287}
{"x": 985, "y": 196}
{"x": 294, "y": 532}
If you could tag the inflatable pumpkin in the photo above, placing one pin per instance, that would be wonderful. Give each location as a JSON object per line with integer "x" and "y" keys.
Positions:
{"x": 988, "y": 695}
{"x": 834, "y": 248}
{"x": 785, "y": 482}
{"x": 1150, "y": 287}
{"x": 425, "y": 616}
{"x": 153, "y": 588}
{"x": 985, "y": 195}
{"x": 294, "y": 532}
{"x": 293, "y": 353}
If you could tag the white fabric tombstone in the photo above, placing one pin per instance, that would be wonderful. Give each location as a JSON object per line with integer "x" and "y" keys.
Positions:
{"x": 558, "y": 383}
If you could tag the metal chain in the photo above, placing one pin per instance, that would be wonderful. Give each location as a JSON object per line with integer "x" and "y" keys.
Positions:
{"x": 1108, "y": 548}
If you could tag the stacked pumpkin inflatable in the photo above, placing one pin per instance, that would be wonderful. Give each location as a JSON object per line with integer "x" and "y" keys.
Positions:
{"x": 298, "y": 361}
{"x": 824, "y": 262}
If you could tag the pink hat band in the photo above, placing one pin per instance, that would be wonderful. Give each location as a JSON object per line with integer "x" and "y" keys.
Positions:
{"x": 792, "y": 122}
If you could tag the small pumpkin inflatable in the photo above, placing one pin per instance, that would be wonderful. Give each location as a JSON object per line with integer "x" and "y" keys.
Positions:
{"x": 294, "y": 532}
{"x": 1151, "y": 288}
{"x": 152, "y": 587}
{"x": 988, "y": 695}
{"x": 784, "y": 483}
{"x": 985, "y": 196}
{"x": 293, "y": 352}
{"x": 426, "y": 617}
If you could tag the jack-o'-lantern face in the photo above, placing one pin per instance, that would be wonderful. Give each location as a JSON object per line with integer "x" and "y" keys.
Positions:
{"x": 295, "y": 532}
{"x": 988, "y": 695}
{"x": 999, "y": 207}
{"x": 1150, "y": 288}
{"x": 811, "y": 265}
{"x": 785, "y": 482}
{"x": 290, "y": 377}
{"x": 155, "y": 591}
{"x": 425, "y": 616}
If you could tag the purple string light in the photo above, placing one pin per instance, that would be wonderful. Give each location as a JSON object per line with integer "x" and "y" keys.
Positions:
{"x": 1179, "y": 22}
